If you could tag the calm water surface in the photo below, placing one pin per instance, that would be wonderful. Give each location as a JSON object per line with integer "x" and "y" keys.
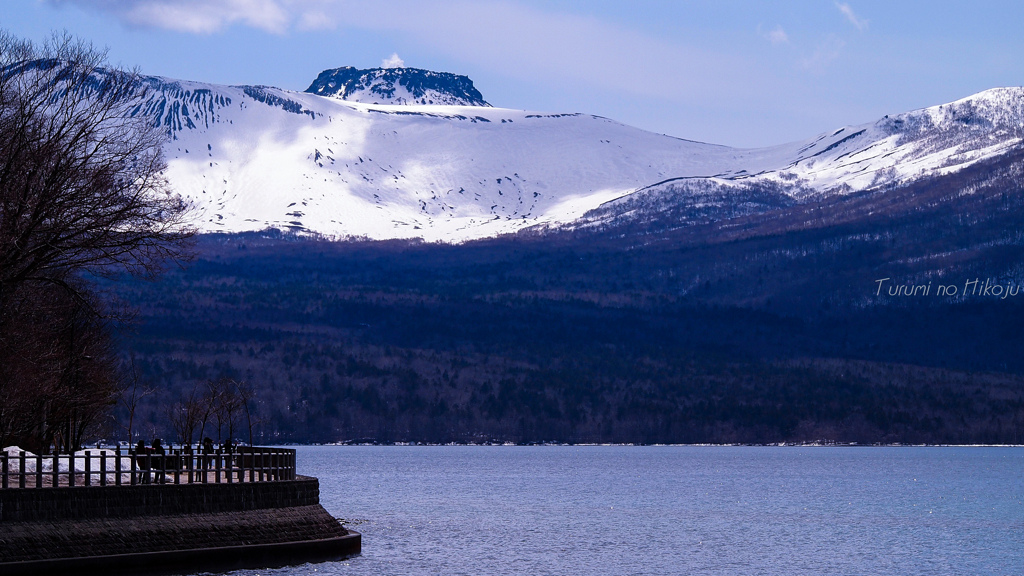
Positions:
{"x": 673, "y": 510}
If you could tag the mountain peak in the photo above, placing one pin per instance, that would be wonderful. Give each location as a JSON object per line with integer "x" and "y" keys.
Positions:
{"x": 409, "y": 86}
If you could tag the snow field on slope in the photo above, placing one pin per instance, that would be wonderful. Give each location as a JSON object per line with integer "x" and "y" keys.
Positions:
{"x": 455, "y": 173}
{"x": 437, "y": 172}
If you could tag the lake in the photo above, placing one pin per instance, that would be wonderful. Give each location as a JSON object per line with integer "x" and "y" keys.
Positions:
{"x": 673, "y": 510}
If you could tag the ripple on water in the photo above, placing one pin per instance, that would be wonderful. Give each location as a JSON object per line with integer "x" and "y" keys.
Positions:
{"x": 672, "y": 510}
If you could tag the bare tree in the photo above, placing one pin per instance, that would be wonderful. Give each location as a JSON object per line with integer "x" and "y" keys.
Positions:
{"x": 210, "y": 409}
{"x": 88, "y": 378}
{"x": 132, "y": 392}
{"x": 246, "y": 396}
{"x": 186, "y": 415}
{"x": 58, "y": 371}
{"x": 81, "y": 185}
{"x": 81, "y": 192}
{"x": 226, "y": 404}
{"x": 27, "y": 370}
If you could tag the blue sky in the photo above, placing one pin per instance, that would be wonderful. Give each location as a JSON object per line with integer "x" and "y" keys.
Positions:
{"x": 741, "y": 73}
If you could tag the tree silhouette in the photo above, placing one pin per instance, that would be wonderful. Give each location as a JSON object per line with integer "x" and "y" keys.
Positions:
{"x": 81, "y": 193}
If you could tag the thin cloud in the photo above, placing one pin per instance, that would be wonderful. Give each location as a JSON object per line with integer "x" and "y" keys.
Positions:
{"x": 393, "y": 61}
{"x": 860, "y": 23}
{"x": 193, "y": 16}
{"x": 312, "y": 20}
{"x": 776, "y": 36}
{"x": 825, "y": 53}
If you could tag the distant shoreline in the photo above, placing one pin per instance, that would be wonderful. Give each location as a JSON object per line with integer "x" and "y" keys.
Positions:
{"x": 639, "y": 445}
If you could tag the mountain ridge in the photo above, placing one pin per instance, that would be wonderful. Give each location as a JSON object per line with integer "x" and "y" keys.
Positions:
{"x": 257, "y": 157}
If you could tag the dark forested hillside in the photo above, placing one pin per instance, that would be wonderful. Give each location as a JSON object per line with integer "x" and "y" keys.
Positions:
{"x": 743, "y": 327}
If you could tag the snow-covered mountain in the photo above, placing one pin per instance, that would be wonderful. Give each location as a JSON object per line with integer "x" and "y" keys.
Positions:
{"x": 903, "y": 147}
{"x": 893, "y": 151}
{"x": 330, "y": 162}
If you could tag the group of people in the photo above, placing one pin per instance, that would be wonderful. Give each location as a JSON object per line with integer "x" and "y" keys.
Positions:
{"x": 157, "y": 448}
{"x": 206, "y": 448}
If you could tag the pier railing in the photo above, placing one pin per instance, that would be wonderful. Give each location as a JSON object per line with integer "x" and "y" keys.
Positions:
{"x": 117, "y": 467}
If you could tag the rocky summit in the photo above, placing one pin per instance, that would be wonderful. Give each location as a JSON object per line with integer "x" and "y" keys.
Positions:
{"x": 407, "y": 86}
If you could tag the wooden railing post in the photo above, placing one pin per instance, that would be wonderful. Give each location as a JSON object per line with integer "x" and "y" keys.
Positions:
{"x": 5, "y": 459}
{"x": 21, "y": 469}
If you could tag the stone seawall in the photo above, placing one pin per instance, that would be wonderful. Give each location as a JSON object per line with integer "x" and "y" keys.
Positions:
{"x": 167, "y": 528}
{"x": 68, "y": 503}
